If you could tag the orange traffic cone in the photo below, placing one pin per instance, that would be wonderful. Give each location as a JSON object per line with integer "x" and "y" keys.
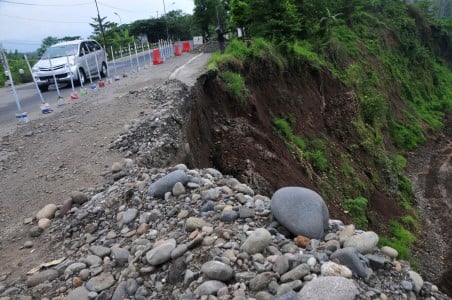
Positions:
{"x": 156, "y": 59}
{"x": 177, "y": 50}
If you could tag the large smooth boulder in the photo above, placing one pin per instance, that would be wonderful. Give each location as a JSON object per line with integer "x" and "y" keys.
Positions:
{"x": 302, "y": 211}
{"x": 166, "y": 183}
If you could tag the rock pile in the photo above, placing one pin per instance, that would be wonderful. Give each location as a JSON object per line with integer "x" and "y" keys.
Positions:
{"x": 157, "y": 140}
{"x": 178, "y": 233}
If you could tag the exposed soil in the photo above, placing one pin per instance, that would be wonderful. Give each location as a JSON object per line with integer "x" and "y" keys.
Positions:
{"x": 240, "y": 140}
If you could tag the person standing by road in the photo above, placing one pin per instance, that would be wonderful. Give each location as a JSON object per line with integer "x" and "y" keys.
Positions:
{"x": 221, "y": 39}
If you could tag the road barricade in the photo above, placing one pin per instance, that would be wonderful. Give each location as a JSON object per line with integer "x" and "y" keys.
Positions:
{"x": 186, "y": 47}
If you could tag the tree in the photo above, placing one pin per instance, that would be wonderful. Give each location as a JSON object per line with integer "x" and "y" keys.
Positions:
{"x": 207, "y": 14}
{"x": 275, "y": 20}
{"x": 327, "y": 22}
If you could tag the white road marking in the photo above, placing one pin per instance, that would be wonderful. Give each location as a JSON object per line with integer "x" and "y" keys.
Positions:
{"x": 174, "y": 74}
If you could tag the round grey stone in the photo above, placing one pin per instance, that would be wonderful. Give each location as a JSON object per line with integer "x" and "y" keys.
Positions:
{"x": 80, "y": 293}
{"x": 166, "y": 183}
{"x": 194, "y": 223}
{"x": 132, "y": 286}
{"x": 161, "y": 253}
{"x": 209, "y": 287}
{"x": 257, "y": 241}
{"x": 120, "y": 255}
{"x": 364, "y": 242}
{"x": 418, "y": 282}
{"x": 41, "y": 277}
{"x": 120, "y": 291}
{"x": 281, "y": 264}
{"x": 217, "y": 270}
{"x": 129, "y": 215}
{"x": 78, "y": 197}
{"x": 47, "y": 212}
{"x": 178, "y": 189}
{"x": 100, "y": 282}
{"x": 296, "y": 273}
{"x": 93, "y": 260}
{"x": 406, "y": 285}
{"x": 229, "y": 216}
{"x": 300, "y": 210}
{"x": 261, "y": 281}
{"x": 100, "y": 251}
{"x": 35, "y": 231}
{"x": 179, "y": 251}
{"x": 329, "y": 288}
{"x": 389, "y": 251}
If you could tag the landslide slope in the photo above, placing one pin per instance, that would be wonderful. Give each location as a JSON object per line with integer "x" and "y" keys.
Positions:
{"x": 338, "y": 115}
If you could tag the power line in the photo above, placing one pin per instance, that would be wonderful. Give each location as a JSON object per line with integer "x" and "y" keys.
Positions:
{"x": 121, "y": 9}
{"x": 34, "y": 4}
{"x": 45, "y": 21}
{"x": 20, "y": 42}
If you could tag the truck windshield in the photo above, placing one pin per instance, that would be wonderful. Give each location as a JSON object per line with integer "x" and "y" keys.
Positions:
{"x": 59, "y": 51}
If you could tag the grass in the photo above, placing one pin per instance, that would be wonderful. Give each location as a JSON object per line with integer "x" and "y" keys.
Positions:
{"x": 235, "y": 84}
{"x": 303, "y": 50}
{"x": 312, "y": 151}
{"x": 239, "y": 51}
{"x": 402, "y": 239}
{"x": 357, "y": 209}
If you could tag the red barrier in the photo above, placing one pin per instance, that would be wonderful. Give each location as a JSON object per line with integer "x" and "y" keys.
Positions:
{"x": 156, "y": 59}
{"x": 177, "y": 50}
{"x": 186, "y": 47}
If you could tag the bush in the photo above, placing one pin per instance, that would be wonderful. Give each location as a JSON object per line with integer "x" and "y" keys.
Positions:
{"x": 373, "y": 107}
{"x": 407, "y": 136}
{"x": 357, "y": 209}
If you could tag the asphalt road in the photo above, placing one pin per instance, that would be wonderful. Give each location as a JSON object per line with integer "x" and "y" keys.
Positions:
{"x": 30, "y": 101}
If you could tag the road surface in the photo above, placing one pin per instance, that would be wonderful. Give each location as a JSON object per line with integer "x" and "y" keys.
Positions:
{"x": 183, "y": 68}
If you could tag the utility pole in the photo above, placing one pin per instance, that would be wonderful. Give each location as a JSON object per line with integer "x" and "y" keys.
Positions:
{"x": 166, "y": 20}
{"x": 100, "y": 25}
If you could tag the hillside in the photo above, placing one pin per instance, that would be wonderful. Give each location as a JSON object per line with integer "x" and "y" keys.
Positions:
{"x": 340, "y": 115}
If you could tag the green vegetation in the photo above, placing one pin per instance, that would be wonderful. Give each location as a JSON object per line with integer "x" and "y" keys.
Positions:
{"x": 401, "y": 240}
{"x": 235, "y": 84}
{"x": 310, "y": 152}
{"x": 239, "y": 51}
{"x": 357, "y": 209}
{"x": 16, "y": 63}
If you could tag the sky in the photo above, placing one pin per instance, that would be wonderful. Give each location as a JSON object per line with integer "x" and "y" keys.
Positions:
{"x": 25, "y": 23}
